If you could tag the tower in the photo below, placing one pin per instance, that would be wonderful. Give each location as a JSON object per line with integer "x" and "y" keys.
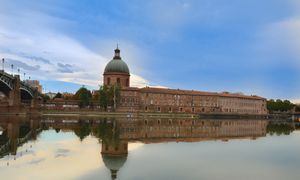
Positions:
{"x": 116, "y": 72}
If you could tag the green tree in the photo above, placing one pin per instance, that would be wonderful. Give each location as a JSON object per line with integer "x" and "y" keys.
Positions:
{"x": 58, "y": 95}
{"x": 84, "y": 96}
{"x": 109, "y": 96}
{"x": 45, "y": 98}
{"x": 280, "y": 105}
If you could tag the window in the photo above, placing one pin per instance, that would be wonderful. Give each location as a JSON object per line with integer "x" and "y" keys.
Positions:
{"x": 127, "y": 82}
{"x": 193, "y": 109}
{"x": 180, "y": 109}
{"x": 108, "y": 81}
{"x": 158, "y": 109}
{"x": 170, "y": 109}
{"x": 146, "y": 108}
{"x": 118, "y": 81}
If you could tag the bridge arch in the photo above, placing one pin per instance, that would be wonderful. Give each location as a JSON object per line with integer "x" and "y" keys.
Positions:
{"x": 5, "y": 87}
{"x": 25, "y": 94}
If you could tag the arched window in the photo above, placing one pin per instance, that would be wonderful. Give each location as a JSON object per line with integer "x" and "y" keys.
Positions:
{"x": 127, "y": 82}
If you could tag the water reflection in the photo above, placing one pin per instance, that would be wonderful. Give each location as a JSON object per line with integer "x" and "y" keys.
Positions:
{"x": 115, "y": 134}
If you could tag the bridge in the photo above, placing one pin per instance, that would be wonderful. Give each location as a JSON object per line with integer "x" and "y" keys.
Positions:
{"x": 17, "y": 92}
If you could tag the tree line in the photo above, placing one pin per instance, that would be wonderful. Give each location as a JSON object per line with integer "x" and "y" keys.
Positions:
{"x": 282, "y": 106}
{"x": 107, "y": 96}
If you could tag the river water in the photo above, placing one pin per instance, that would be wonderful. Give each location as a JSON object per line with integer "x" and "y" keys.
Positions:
{"x": 147, "y": 148}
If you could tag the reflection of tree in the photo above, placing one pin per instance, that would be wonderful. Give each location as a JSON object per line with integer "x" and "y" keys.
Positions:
{"x": 297, "y": 126}
{"x": 279, "y": 129}
{"x": 24, "y": 130}
{"x": 3, "y": 138}
{"x": 83, "y": 131}
{"x": 107, "y": 132}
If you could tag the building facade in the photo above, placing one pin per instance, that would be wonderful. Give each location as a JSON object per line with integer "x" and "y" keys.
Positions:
{"x": 149, "y": 99}
{"x": 35, "y": 84}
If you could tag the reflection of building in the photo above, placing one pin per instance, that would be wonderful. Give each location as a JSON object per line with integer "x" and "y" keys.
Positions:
{"x": 35, "y": 84}
{"x": 156, "y": 130}
{"x": 114, "y": 156}
{"x": 174, "y": 100}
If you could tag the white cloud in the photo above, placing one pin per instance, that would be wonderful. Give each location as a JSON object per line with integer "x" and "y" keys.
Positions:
{"x": 33, "y": 39}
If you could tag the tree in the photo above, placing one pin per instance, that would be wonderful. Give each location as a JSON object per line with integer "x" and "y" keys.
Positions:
{"x": 45, "y": 98}
{"x": 84, "y": 96}
{"x": 58, "y": 95}
{"x": 103, "y": 97}
{"x": 109, "y": 96}
{"x": 279, "y": 105}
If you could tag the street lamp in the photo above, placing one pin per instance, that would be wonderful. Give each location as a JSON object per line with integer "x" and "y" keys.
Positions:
{"x": 18, "y": 71}
{"x": 29, "y": 78}
{"x": 3, "y": 64}
{"x": 12, "y": 69}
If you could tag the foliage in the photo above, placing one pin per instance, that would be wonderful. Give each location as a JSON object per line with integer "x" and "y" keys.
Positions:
{"x": 84, "y": 96}
{"x": 58, "y": 95}
{"x": 107, "y": 133}
{"x": 83, "y": 131}
{"x": 281, "y": 106}
{"x": 279, "y": 129}
{"x": 109, "y": 96}
{"x": 45, "y": 98}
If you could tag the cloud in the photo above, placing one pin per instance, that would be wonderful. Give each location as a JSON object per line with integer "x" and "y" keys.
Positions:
{"x": 22, "y": 65}
{"x": 51, "y": 53}
{"x": 65, "y": 68}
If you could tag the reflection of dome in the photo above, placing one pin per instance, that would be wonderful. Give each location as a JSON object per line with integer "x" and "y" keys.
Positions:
{"x": 117, "y": 64}
{"x": 114, "y": 163}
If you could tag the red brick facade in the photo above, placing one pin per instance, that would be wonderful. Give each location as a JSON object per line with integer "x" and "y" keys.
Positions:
{"x": 174, "y": 100}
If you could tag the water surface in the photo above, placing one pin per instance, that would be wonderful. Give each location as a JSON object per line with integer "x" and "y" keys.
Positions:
{"x": 103, "y": 148}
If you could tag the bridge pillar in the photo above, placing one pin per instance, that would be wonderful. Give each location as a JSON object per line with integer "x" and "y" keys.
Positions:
{"x": 15, "y": 93}
{"x": 34, "y": 101}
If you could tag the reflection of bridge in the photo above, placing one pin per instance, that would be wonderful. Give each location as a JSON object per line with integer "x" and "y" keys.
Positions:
{"x": 16, "y": 131}
{"x": 16, "y": 92}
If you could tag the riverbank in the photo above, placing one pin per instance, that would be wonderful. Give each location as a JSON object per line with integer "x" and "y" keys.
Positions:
{"x": 87, "y": 113}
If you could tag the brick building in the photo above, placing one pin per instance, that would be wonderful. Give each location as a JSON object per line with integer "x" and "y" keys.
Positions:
{"x": 149, "y": 99}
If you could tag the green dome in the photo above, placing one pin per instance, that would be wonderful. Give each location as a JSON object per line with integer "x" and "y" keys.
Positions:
{"x": 116, "y": 65}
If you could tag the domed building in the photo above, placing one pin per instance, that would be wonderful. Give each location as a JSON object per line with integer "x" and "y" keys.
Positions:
{"x": 149, "y": 99}
{"x": 116, "y": 72}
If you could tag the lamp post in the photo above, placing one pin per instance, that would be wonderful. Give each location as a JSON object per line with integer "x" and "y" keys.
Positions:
{"x": 18, "y": 71}
{"x": 3, "y": 64}
{"x": 12, "y": 69}
{"x": 24, "y": 76}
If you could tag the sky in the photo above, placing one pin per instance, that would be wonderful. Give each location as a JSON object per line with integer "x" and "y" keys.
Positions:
{"x": 248, "y": 46}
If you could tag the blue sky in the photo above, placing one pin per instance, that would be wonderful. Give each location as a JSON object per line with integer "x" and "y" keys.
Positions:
{"x": 248, "y": 46}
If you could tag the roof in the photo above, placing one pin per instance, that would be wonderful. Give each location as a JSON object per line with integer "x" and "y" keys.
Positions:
{"x": 192, "y": 92}
{"x": 117, "y": 65}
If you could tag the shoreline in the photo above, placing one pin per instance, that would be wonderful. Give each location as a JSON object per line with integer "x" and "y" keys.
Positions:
{"x": 152, "y": 115}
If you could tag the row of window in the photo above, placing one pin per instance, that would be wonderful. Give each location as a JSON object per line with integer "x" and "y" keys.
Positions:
{"x": 118, "y": 81}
